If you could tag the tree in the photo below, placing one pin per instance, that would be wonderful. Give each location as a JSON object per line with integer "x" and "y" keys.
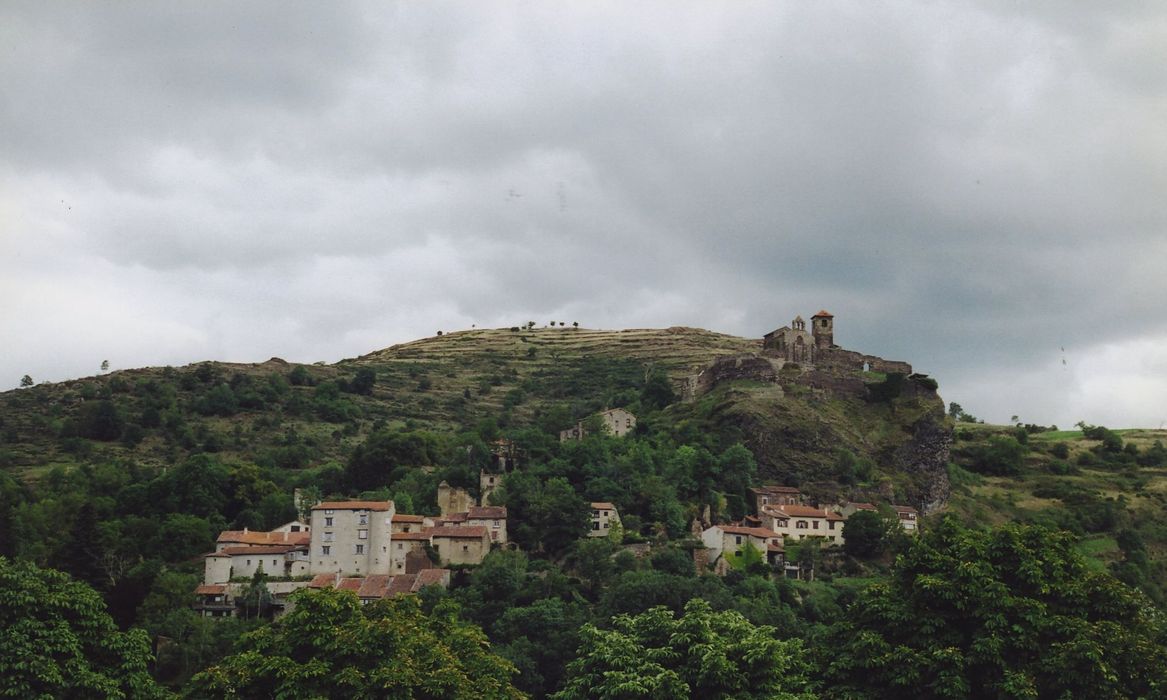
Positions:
{"x": 363, "y": 381}
{"x": 702, "y": 654}
{"x": 26, "y": 381}
{"x": 256, "y": 598}
{"x": 105, "y": 365}
{"x": 867, "y": 533}
{"x": 543, "y": 516}
{"x": 331, "y": 646}
{"x": 658, "y": 390}
{"x": 1009, "y": 612}
{"x": 59, "y": 641}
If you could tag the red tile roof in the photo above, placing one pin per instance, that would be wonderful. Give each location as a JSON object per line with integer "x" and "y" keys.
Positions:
{"x": 431, "y": 577}
{"x": 374, "y": 586}
{"x": 211, "y": 589}
{"x": 255, "y": 537}
{"x": 455, "y": 518}
{"x": 487, "y": 512}
{"x": 354, "y": 505}
{"x": 412, "y": 535}
{"x": 322, "y": 581}
{"x": 863, "y": 506}
{"x": 904, "y": 509}
{"x": 821, "y": 314}
{"x": 603, "y": 505}
{"x": 458, "y": 531}
{"x": 401, "y": 584}
{"x": 271, "y": 549}
{"x": 751, "y": 531}
{"x": 405, "y": 518}
{"x": 350, "y": 584}
{"x": 805, "y": 512}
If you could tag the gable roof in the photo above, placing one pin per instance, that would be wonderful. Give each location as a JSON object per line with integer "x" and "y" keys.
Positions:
{"x": 751, "y": 531}
{"x": 471, "y": 532}
{"x": 406, "y": 518}
{"x": 261, "y": 549}
{"x": 354, "y": 505}
{"x": 252, "y": 537}
{"x": 487, "y": 512}
{"x": 431, "y": 577}
{"x": 603, "y": 505}
{"x": 774, "y": 489}
{"x": 823, "y": 314}
{"x": 803, "y": 512}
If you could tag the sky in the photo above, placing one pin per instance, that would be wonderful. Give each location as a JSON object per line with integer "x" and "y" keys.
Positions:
{"x": 979, "y": 188}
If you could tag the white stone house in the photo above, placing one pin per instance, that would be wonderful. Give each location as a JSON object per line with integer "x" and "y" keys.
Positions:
{"x": 604, "y": 517}
{"x": 799, "y": 522}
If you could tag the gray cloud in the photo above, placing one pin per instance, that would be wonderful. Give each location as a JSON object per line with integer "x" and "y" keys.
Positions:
{"x": 972, "y": 186}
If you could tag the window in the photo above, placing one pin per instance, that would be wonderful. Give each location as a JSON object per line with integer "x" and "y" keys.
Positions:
{"x": 325, "y": 551}
{"x": 605, "y": 524}
{"x": 328, "y": 512}
{"x": 738, "y": 539}
{"x": 399, "y": 545}
{"x": 495, "y": 525}
{"x": 816, "y": 524}
{"x": 328, "y": 522}
{"x": 362, "y": 534}
{"x": 249, "y": 562}
{"x": 405, "y": 529}
{"x": 327, "y": 536}
{"x": 295, "y": 528}
{"x": 800, "y": 524}
{"x": 596, "y": 525}
{"x": 831, "y": 525}
{"x": 362, "y": 518}
{"x": 358, "y": 549}
{"x": 595, "y": 513}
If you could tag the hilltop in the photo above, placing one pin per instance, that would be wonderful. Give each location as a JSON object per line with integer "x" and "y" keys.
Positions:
{"x": 801, "y": 427}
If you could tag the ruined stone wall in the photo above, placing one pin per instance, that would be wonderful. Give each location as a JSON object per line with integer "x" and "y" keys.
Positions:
{"x": 851, "y": 361}
{"x": 728, "y": 369}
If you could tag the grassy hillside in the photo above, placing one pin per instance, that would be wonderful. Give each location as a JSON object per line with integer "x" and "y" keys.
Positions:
{"x": 1112, "y": 493}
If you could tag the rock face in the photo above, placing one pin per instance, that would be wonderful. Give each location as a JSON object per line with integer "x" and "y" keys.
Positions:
{"x": 795, "y": 417}
{"x": 926, "y": 458}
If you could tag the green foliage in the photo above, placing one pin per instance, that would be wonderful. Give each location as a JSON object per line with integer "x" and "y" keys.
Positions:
{"x": 381, "y": 459}
{"x": 868, "y": 534}
{"x": 1000, "y": 456}
{"x": 702, "y": 654}
{"x": 887, "y": 390}
{"x": 330, "y": 645}
{"x": 99, "y": 420}
{"x": 657, "y": 391}
{"x": 543, "y": 516}
{"x": 59, "y": 641}
{"x": 1012, "y": 612}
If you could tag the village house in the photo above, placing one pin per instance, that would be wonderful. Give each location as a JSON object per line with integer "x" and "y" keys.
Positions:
{"x": 493, "y": 518}
{"x": 798, "y": 522}
{"x": 729, "y": 540}
{"x": 460, "y": 544}
{"x": 351, "y": 537}
{"x": 240, "y": 553}
{"x": 908, "y": 516}
{"x": 775, "y": 496}
{"x": 604, "y": 517}
{"x": 407, "y": 547}
{"x": 616, "y": 421}
{"x": 403, "y": 522}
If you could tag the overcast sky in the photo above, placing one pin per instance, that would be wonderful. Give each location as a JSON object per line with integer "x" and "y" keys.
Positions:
{"x": 978, "y": 188}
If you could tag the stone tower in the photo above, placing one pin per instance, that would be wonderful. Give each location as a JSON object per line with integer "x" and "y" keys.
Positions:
{"x": 823, "y": 329}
